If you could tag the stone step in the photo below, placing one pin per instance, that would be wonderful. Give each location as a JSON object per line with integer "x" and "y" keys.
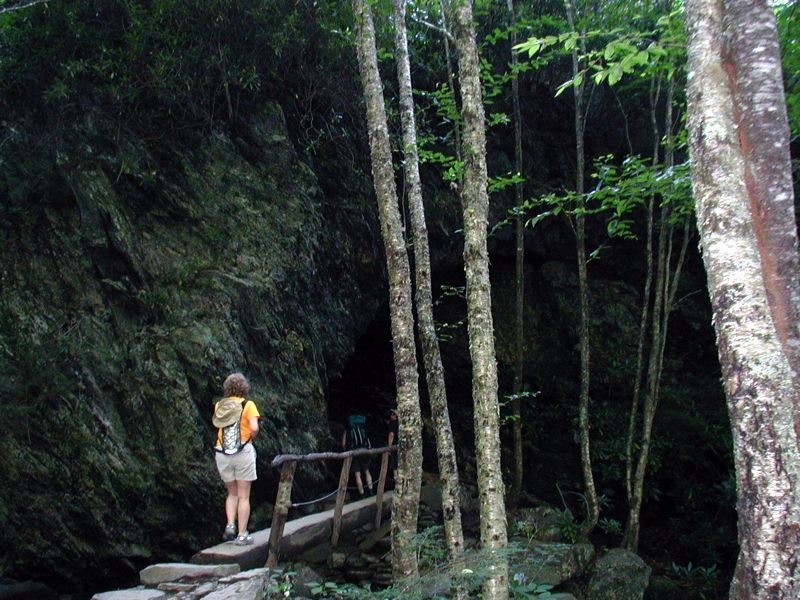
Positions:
{"x": 165, "y": 572}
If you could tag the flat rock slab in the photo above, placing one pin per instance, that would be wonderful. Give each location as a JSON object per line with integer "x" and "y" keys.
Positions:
{"x": 252, "y": 588}
{"x": 298, "y": 535}
{"x": 131, "y": 594}
{"x": 164, "y": 572}
{"x": 244, "y": 575}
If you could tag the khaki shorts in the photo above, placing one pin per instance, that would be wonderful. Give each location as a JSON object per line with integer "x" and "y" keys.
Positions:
{"x": 237, "y": 467}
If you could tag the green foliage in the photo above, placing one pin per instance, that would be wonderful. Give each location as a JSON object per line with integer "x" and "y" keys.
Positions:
{"x": 696, "y": 581}
{"x": 170, "y": 63}
{"x": 282, "y": 584}
{"x": 788, "y": 17}
{"x": 610, "y": 526}
{"x": 523, "y": 528}
{"x": 445, "y": 331}
{"x": 609, "y": 55}
{"x": 569, "y": 526}
{"x": 334, "y": 590}
{"x": 519, "y": 589}
{"x": 507, "y": 399}
{"x": 619, "y": 190}
{"x": 431, "y": 547}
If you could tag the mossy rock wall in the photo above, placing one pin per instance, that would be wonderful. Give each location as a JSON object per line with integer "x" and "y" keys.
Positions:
{"x": 135, "y": 276}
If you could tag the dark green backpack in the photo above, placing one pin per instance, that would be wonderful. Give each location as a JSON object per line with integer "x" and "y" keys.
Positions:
{"x": 357, "y": 432}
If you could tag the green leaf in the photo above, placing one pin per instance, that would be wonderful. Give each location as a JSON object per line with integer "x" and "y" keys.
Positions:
{"x": 563, "y": 87}
{"x": 614, "y": 74}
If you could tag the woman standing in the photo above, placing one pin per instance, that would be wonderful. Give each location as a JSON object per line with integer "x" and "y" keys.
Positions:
{"x": 237, "y": 421}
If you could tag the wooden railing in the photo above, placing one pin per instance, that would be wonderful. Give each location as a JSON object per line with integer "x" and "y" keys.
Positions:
{"x": 288, "y": 463}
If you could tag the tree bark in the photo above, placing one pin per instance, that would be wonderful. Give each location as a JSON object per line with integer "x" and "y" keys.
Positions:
{"x": 741, "y": 176}
{"x": 592, "y": 507}
{"x": 520, "y": 272}
{"x": 475, "y": 200}
{"x": 405, "y": 508}
{"x": 432, "y": 358}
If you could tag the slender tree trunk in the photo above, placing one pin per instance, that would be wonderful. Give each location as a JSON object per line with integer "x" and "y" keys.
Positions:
{"x": 405, "y": 507}
{"x": 451, "y": 80}
{"x": 655, "y": 89}
{"x": 667, "y": 281}
{"x": 520, "y": 271}
{"x": 660, "y": 315}
{"x": 434, "y": 373}
{"x": 631, "y": 537}
{"x": 475, "y": 199}
{"x": 592, "y": 507}
{"x": 741, "y": 175}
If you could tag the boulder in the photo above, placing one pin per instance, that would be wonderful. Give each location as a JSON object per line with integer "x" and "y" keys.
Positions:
{"x": 618, "y": 575}
{"x": 26, "y": 590}
{"x": 431, "y": 496}
{"x": 316, "y": 555}
{"x": 163, "y": 572}
{"x": 253, "y": 588}
{"x": 541, "y": 523}
{"x": 337, "y": 560}
{"x": 553, "y": 563}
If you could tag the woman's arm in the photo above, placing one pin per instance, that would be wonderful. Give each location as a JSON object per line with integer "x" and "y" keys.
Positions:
{"x": 253, "y": 422}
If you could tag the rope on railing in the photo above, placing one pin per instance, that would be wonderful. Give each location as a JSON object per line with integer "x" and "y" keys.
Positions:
{"x": 333, "y": 493}
{"x": 282, "y": 458}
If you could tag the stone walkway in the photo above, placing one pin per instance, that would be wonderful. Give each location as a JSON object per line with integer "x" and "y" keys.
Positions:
{"x": 227, "y": 571}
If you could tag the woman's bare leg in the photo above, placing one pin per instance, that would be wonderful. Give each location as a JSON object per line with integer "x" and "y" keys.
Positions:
{"x": 231, "y": 501}
{"x": 243, "y": 490}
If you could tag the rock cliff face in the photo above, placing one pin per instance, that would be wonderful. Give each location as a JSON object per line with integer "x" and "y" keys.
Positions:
{"x": 135, "y": 276}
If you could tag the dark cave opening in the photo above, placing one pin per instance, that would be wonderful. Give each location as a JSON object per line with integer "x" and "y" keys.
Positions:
{"x": 366, "y": 385}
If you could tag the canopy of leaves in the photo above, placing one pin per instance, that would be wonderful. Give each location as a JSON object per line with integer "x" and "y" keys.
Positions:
{"x": 161, "y": 63}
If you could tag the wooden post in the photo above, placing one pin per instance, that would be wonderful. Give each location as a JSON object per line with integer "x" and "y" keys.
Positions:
{"x": 337, "y": 513}
{"x": 381, "y": 487}
{"x": 280, "y": 512}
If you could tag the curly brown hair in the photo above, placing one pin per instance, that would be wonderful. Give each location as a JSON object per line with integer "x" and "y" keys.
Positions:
{"x": 236, "y": 384}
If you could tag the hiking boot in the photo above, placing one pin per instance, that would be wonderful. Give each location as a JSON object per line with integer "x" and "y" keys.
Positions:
{"x": 244, "y": 539}
{"x": 230, "y": 532}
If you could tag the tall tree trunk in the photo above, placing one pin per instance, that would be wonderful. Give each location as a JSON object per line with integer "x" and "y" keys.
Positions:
{"x": 592, "y": 507}
{"x": 741, "y": 176}
{"x": 434, "y": 373}
{"x": 405, "y": 507}
{"x": 475, "y": 199}
{"x": 520, "y": 270}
